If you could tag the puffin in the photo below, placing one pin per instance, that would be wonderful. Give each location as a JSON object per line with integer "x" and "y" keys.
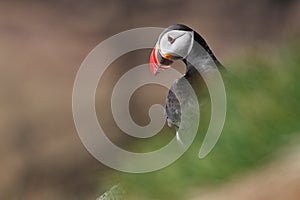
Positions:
{"x": 180, "y": 42}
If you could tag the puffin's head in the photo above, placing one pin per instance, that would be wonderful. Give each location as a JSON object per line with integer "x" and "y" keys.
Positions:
{"x": 174, "y": 43}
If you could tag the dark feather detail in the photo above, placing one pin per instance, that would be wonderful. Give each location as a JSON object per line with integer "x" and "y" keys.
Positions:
{"x": 177, "y": 91}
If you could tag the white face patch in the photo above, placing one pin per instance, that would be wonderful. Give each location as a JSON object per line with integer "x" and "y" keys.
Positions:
{"x": 176, "y": 42}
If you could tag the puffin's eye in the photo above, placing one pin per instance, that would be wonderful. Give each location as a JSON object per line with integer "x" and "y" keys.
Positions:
{"x": 171, "y": 39}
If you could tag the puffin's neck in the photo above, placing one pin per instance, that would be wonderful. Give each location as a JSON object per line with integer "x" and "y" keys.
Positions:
{"x": 200, "y": 58}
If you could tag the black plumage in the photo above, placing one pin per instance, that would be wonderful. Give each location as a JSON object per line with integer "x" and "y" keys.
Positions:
{"x": 178, "y": 90}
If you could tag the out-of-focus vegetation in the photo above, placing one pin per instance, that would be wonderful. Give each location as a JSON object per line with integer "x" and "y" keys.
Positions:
{"x": 263, "y": 116}
{"x": 42, "y": 44}
{"x": 114, "y": 193}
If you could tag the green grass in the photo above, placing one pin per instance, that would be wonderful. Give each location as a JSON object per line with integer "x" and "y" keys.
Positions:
{"x": 114, "y": 193}
{"x": 263, "y": 115}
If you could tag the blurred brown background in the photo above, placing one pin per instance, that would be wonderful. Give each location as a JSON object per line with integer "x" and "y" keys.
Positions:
{"x": 42, "y": 44}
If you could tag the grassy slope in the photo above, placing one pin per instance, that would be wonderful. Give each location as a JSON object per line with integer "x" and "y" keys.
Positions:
{"x": 263, "y": 114}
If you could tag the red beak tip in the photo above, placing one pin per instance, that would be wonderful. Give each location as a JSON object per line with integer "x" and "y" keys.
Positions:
{"x": 153, "y": 63}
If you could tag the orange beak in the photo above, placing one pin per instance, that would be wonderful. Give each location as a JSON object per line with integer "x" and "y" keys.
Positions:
{"x": 155, "y": 65}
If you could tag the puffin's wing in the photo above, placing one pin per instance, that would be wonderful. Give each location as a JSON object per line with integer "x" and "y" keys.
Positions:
{"x": 172, "y": 108}
{"x": 177, "y": 94}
